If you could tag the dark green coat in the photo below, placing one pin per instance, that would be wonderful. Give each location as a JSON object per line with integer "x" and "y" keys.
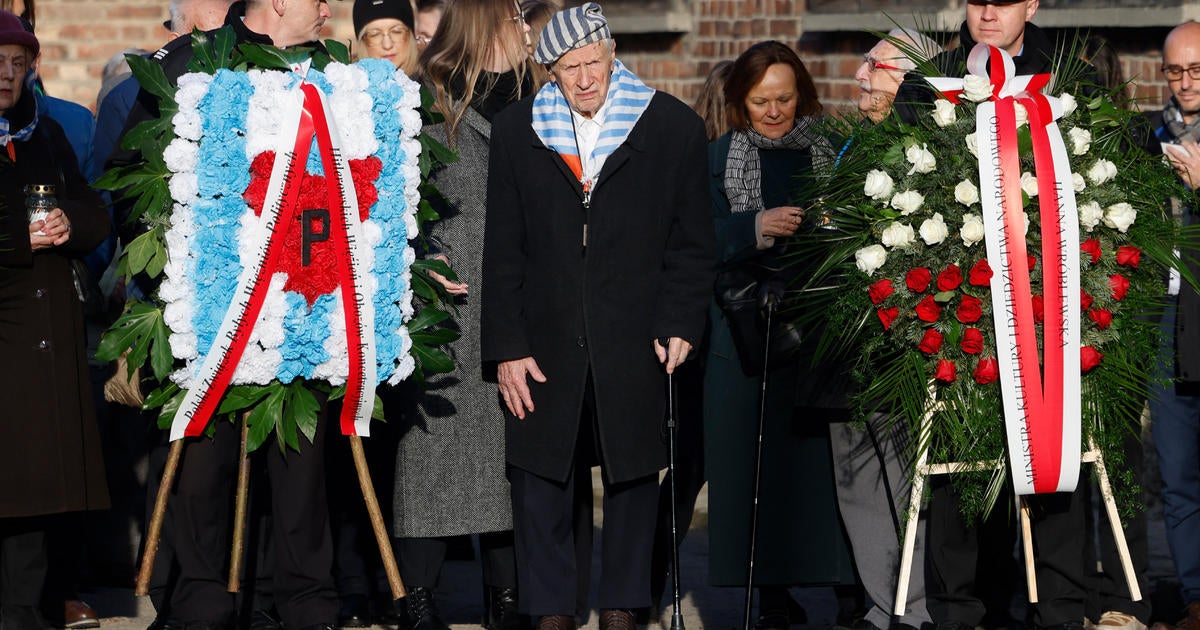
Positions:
{"x": 800, "y": 537}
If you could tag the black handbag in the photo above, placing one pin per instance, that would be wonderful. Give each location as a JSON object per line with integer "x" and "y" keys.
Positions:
{"x": 744, "y": 294}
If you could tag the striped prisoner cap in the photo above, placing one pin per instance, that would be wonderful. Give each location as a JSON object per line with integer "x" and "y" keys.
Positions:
{"x": 570, "y": 29}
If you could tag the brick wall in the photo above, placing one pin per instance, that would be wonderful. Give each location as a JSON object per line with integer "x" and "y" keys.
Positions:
{"x": 78, "y": 36}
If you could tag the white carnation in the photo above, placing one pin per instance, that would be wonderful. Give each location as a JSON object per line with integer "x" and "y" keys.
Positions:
{"x": 1090, "y": 215}
{"x": 934, "y": 231}
{"x": 185, "y": 187}
{"x": 907, "y": 202}
{"x": 966, "y": 192}
{"x": 943, "y": 112}
{"x": 977, "y": 88}
{"x": 898, "y": 234}
{"x": 921, "y": 159}
{"x": 1120, "y": 216}
{"x": 1077, "y": 182}
{"x": 878, "y": 185}
{"x": 188, "y": 124}
{"x": 870, "y": 258}
{"x": 1102, "y": 171}
{"x": 181, "y": 156}
{"x": 1081, "y": 140}
{"x": 1068, "y": 103}
{"x": 972, "y": 229}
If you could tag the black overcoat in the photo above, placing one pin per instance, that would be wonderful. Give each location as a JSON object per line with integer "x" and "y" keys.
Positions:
{"x": 50, "y": 456}
{"x": 646, "y": 272}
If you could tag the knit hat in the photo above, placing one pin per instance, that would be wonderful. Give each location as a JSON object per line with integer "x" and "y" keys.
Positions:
{"x": 367, "y": 11}
{"x": 570, "y": 29}
{"x": 12, "y": 31}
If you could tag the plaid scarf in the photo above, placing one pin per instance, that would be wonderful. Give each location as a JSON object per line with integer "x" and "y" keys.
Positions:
{"x": 743, "y": 168}
{"x": 1173, "y": 122}
{"x": 627, "y": 99}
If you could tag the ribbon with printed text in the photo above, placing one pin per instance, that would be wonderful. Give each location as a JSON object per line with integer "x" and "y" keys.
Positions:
{"x": 1041, "y": 394}
{"x": 304, "y": 116}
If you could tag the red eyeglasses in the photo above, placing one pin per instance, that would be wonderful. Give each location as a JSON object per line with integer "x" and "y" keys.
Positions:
{"x": 874, "y": 64}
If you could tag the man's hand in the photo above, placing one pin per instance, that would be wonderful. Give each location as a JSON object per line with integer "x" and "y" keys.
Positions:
{"x": 781, "y": 221}
{"x": 53, "y": 231}
{"x": 453, "y": 288}
{"x": 513, "y": 386}
{"x": 1187, "y": 165}
{"x": 674, "y": 354}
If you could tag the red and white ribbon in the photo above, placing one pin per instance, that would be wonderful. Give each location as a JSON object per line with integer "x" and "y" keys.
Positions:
{"x": 304, "y": 115}
{"x": 1041, "y": 394}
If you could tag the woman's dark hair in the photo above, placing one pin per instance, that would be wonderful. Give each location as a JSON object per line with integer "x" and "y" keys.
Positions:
{"x": 30, "y": 12}
{"x": 1099, "y": 52}
{"x": 749, "y": 69}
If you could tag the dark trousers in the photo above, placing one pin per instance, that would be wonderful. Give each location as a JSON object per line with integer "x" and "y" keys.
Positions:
{"x": 22, "y": 571}
{"x": 302, "y": 558}
{"x": 421, "y": 560}
{"x": 953, "y": 557}
{"x": 544, "y": 527}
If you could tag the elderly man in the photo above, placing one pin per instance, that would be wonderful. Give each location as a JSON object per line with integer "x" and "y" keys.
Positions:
{"x": 302, "y": 554}
{"x": 1175, "y": 412}
{"x": 598, "y": 266}
{"x": 868, "y": 468}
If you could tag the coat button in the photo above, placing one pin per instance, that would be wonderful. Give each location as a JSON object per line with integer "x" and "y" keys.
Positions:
{"x": 43, "y": 345}
{"x": 581, "y": 342}
{"x": 39, "y": 294}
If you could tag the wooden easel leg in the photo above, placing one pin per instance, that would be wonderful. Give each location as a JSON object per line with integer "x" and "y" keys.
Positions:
{"x": 238, "y": 551}
{"x": 910, "y": 537}
{"x": 1114, "y": 521}
{"x": 381, "y": 535}
{"x": 1027, "y": 545}
{"x": 154, "y": 532}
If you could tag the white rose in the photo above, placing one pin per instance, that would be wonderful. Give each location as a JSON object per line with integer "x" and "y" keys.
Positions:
{"x": 1120, "y": 216}
{"x": 1090, "y": 215}
{"x": 1081, "y": 140}
{"x": 898, "y": 234}
{"x": 943, "y": 112}
{"x": 870, "y": 258}
{"x": 1102, "y": 171}
{"x": 966, "y": 193}
{"x": 878, "y": 186}
{"x": 1021, "y": 113}
{"x": 1077, "y": 182}
{"x": 1029, "y": 184}
{"x": 977, "y": 88}
{"x": 933, "y": 231}
{"x": 921, "y": 159}
{"x": 973, "y": 144}
{"x": 972, "y": 229}
{"x": 1068, "y": 103}
{"x": 907, "y": 202}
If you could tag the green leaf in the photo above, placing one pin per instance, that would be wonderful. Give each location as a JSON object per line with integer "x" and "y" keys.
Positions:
{"x": 264, "y": 417}
{"x": 425, "y": 318}
{"x": 942, "y": 297}
{"x": 141, "y": 251}
{"x": 160, "y": 395}
{"x": 436, "y": 337}
{"x": 134, "y": 330}
{"x": 377, "y": 410}
{"x": 151, "y": 77}
{"x": 302, "y": 406}
{"x": 432, "y": 360}
{"x": 338, "y": 51}
{"x": 241, "y": 397}
{"x": 169, "y": 408}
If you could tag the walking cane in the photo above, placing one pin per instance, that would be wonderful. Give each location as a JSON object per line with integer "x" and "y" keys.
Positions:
{"x": 769, "y": 297}
{"x": 673, "y": 444}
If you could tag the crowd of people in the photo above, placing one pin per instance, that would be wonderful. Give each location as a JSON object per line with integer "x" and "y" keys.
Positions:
{"x": 595, "y": 228}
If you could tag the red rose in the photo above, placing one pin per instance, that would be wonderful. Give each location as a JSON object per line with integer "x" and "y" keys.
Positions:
{"x": 1089, "y": 358}
{"x": 987, "y": 371}
{"x": 1091, "y": 247}
{"x": 970, "y": 309}
{"x": 887, "y": 316}
{"x": 1032, "y": 260}
{"x": 931, "y": 342}
{"x": 880, "y": 290}
{"x": 1085, "y": 300}
{"x": 1039, "y": 309}
{"x": 981, "y": 274}
{"x": 1102, "y": 317}
{"x": 945, "y": 371}
{"x": 918, "y": 279}
{"x": 949, "y": 279}
{"x": 1129, "y": 256}
{"x": 972, "y": 341}
{"x": 928, "y": 310}
{"x": 1120, "y": 286}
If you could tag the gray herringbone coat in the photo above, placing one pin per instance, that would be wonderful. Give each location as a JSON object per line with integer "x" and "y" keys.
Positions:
{"x": 450, "y": 477}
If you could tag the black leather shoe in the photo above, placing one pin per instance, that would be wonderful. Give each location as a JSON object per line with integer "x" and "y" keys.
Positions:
{"x": 263, "y": 620}
{"x": 320, "y": 626}
{"x": 500, "y": 612}
{"x": 421, "y": 611}
{"x": 353, "y": 613}
{"x": 777, "y": 610}
{"x": 387, "y": 611}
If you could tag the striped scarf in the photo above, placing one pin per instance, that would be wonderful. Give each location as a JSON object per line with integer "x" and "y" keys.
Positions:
{"x": 627, "y": 99}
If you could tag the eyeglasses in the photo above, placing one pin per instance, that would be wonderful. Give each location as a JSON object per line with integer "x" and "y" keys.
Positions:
{"x": 874, "y": 64}
{"x": 397, "y": 33}
{"x": 1175, "y": 73}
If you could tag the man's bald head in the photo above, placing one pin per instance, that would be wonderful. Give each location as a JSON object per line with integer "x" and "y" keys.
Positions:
{"x": 205, "y": 15}
{"x": 1181, "y": 51}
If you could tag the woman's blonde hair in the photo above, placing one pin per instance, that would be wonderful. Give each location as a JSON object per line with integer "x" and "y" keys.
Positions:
{"x": 409, "y": 63}
{"x": 463, "y": 49}
{"x": 711, "y": 102}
